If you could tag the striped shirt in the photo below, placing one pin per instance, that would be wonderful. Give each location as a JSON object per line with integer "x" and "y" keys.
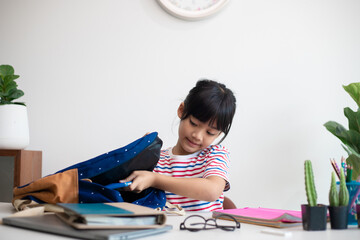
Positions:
{"x": 211, "y": 161}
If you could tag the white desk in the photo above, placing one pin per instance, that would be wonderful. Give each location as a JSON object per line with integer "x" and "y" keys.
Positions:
{"x": 247, "y": 231}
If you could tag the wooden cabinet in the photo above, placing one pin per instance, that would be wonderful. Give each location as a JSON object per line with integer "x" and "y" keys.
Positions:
{"x": 17, "y": 168}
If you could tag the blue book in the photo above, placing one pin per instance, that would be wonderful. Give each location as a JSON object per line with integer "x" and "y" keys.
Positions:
{"x": 94, "y": 209}
{"x": 110, "y": 216}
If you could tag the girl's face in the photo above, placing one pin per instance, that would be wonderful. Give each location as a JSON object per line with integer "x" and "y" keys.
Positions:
{"x": 194, "y": 135}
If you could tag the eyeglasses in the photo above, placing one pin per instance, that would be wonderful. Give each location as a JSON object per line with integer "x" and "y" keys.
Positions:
{"x": 196, "y": 223}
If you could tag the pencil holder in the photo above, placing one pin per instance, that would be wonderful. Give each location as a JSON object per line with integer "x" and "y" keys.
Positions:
{"x": 358, "y": 214}
{"x": 354, "y": 199}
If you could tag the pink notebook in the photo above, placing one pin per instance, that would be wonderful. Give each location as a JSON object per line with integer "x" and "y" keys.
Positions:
{"x": 264, "y": 216}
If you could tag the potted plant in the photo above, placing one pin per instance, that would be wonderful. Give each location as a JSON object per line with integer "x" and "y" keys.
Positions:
{"x": 314, "y": 215}
{"x": 14, "y": 129}
{"x": 350, "y": 139}
{"x": 339, "y": 201}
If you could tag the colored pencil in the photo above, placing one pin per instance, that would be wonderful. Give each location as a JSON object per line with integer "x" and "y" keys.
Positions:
{"x": 335, "y": 167}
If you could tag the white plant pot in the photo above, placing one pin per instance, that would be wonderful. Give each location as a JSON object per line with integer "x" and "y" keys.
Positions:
{"x": 14, "y": 127}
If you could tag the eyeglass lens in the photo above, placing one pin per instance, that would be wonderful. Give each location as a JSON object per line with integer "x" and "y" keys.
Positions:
{"x": 197, "y": 222}
{"x": 227, "y": 222}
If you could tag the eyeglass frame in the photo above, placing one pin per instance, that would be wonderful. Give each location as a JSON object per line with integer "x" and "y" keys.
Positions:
{"x": 215, "y": 226}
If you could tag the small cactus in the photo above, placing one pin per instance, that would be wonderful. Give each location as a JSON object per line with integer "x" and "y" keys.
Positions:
{"x": 333, "y": 194}
{"x": 343, "y": 191}
{"x": 309, "y": 184}
{"x": 342, "y": 198}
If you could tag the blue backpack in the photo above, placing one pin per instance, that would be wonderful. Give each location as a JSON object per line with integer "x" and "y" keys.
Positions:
{"x": 87, "y": 181}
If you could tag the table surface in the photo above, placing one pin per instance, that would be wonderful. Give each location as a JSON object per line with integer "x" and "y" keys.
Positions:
{"x": 247, "y": 231}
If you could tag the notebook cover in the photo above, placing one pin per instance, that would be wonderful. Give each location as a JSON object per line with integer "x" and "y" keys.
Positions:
{"x": 266, "y": 214}
{"x": 94, "y": 209}
{"x": 50, "y": 223}
{"x": 75, "y": 214}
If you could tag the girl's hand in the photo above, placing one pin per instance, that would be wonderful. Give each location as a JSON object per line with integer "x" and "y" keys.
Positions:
{"x": 206, "y": 189}
{"x": 141, "y": 180}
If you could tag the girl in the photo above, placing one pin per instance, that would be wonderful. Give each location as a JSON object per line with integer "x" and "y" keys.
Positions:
{"x": 194, "y": 173}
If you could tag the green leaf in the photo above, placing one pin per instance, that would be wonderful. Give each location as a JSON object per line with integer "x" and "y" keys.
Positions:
{"x": 350, "y": 151}
{"x": 353, "y": 140}
{"x": 10, "y": 92}
{"x": 7, "y": 102}
{"x": 16, "y": 94}
{"x": 337, "y": 129}
{"x": 11, "y": 77}
{"x": 6, "y": 70}
{"x": 19, "y": 103}
{"x": 350, "y": 138}
{"x": 354, "y": 119}
{"x": 355, "y": 162}
{"x": 8, "y": 86}
{"x": 6, "y": 94}
{"x": 354, "y": 90}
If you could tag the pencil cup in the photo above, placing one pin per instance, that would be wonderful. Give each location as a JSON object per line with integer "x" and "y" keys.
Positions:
{"x": 354, "y": 199}
{"x": 358, "y": 214}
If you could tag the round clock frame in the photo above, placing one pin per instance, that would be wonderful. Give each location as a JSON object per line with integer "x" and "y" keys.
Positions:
{"x": 192, "y": 10}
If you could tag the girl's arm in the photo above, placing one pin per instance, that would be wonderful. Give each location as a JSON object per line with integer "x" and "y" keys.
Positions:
{"x": 206, "y": 189}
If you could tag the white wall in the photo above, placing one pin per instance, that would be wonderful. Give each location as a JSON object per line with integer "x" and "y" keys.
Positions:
{"x": 99, "y": 74}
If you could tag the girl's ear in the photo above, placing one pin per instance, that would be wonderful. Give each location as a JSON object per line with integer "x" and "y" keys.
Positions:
{"x": 180, "y": 110}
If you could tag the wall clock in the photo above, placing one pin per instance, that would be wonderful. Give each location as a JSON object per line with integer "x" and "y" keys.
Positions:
{"x": 192, "y": 9}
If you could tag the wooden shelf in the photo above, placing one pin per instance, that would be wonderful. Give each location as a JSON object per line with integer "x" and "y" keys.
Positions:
{"x": 18, "y": 167}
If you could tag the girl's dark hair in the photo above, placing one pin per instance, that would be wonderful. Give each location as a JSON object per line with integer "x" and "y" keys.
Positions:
{"x": 211, "y": 101}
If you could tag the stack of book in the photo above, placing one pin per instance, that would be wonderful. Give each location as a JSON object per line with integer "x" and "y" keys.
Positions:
{"x": 110, "y": 216}
{"x": 264, "y": 216}
{"x": 100, "y": 220}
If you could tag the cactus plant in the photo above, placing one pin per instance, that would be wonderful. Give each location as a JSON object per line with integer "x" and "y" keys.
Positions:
{"x": 343, "y": 191}
{"x": 313, "y": 214}
{"x": 310, "y": 184}
{"x": 333, "y": 193}
{"x": 342, "y": 198}
{"x": 339, "y": 201}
